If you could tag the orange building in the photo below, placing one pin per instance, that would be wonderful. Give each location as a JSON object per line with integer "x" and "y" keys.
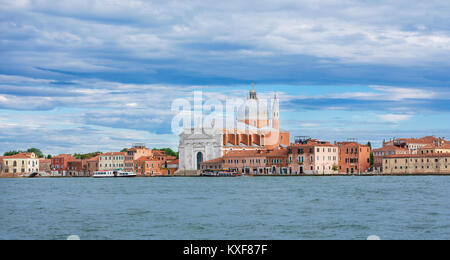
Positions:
{"x": 159, "y": 164}
{"x": 311, "y": 156}
{"x": 134, "y": 153}
{"x": 353, "y": 157}
{"x": 251, "y": 162}
{"x": 60, "y": 162}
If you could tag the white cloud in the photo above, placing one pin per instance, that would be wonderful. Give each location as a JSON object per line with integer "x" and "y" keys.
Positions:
{"x": 309, "y": 125}
{"x": 394, "y": 118}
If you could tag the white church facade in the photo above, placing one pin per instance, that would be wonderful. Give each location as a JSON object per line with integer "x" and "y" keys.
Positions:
{"x": 255, "y": 129}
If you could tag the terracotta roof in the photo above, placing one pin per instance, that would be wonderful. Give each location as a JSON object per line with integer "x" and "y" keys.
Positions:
{"x": 433, "y": 146}
{"x": 173, "y": 162}
{"x": 93, "y": 159}
{"x": 45, "y": 160}
{"x": 423, "y": 140}
{"x": 19, "y": 156}
{"x": 113, "y": 154}
{"x": 63, "y": 155}
{"x": 390, "y": 148}
{"x": 148, "y": 158}
{"x": 431, "y": 155}
{"x": 257, "y": 153}
{"x": 309, "y": 144}
{"x": 217, "y": 160}
{"x": 160, "y": 153}
{"x": 351, "y": 144}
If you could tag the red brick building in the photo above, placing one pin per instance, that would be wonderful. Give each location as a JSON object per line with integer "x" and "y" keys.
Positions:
{"x": 353, "y": 157}
{"x": 92, "y": 165}
{"x": 45, "y": 165}
{"x": 60, "y": 163}
{"x": 77, "y": 168}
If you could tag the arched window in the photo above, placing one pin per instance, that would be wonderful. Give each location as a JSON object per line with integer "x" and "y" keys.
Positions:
{"x": 199, "y": 160}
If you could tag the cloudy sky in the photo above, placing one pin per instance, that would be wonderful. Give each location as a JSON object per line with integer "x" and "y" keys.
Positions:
{"x": 87, "y": 75}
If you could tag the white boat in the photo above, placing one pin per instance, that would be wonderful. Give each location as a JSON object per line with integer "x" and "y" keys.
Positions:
{"x": 113, "y": 174}
{"x": 124, "y": 174}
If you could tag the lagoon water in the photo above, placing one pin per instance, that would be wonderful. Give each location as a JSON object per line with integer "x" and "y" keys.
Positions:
{"x": 413, "y": 207}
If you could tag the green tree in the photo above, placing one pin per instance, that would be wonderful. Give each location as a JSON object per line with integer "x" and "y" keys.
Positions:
{"x": 86, "y": 156}
{"x": 124, "y": 150}
{"x": 11, "y": 153}
{"x": 372, "y": 159}
{"x": 36, "y": 151}
{"x": 335, "y": 168}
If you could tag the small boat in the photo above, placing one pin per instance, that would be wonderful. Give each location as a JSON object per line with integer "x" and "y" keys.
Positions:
{"x": 113, "y": 174}
{"x": 216, "y": 173}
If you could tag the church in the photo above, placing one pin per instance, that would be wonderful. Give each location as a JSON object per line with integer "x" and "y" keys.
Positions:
{"x": 255, "y": 129}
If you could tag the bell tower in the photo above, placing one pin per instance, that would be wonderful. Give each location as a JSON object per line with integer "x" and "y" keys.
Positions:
{"x": 253, "y": 93}
{"x": 276, "y": 113}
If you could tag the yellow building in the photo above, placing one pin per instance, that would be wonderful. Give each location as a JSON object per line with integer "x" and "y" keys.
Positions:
{"x": 20, "y": 164}
{"x": 111, "y": 161}
{"x": 433, "y": 148}
{"x": 437, "y": 163}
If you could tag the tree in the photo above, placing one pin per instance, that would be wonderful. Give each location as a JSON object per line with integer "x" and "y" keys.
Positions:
{"x": 86, "y": 156}
{"x": 372, "y": 159}
{"x": 124, "y": 150}
{"x": 369, "y": 144}
{"x": 335, "y": 168}
{"x": 36, "y": 151}
{"x": 11, "y": 153}
{"x": 49, "y": 156}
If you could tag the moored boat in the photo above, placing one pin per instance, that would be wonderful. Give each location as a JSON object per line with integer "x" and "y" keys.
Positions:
{"x": 113, "y": 174}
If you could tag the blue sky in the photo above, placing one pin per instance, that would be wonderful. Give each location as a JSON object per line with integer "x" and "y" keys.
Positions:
{"x": 81, "y": 76}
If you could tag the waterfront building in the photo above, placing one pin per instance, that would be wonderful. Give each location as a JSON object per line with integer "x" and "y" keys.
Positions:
{"x": 435, "y": 148}
{"x": 414, "y": 144}
{"x": 309, "y": 156}
{"x": 159, "y": 164}
{"x": 251, "y": 162}
{"x": 146, "y": 166}
{"x": 112, "y": 161}
{"x": 21, "y": 164}
{"x": 1, "y": 164}
{"x": 45, "y": 165}
{"x": 59, "y": 164}
{"x": 170, "y": 167}
{"x": 255, "y": 129}
{"x": 92, "y": 165}
{"x": 380, "y": 153}
{"x": 353, "y": 157}
{"x": 134, "y": 153}
{"x": 77, "y": 168}
{"x": 437, "y": 163}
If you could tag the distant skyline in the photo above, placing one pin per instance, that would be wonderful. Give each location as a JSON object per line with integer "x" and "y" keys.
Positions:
{"x": 84, "y": 76}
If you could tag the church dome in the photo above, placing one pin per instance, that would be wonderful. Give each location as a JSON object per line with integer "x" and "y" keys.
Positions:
{"x": 253, "y": 112}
